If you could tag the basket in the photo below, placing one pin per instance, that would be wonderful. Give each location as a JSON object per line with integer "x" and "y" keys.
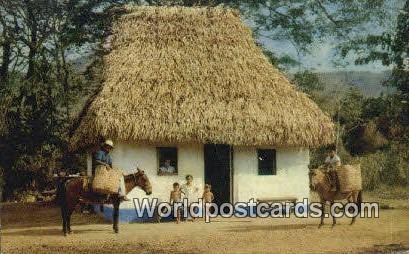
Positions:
{"x": 106, "y": 180}
{"x": 349, "y": 177}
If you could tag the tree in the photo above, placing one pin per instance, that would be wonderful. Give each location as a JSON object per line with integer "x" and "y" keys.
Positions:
{"x": 38, "y": 84}
{"x": 304, "y": 22}
{"x": 391, "y": 48}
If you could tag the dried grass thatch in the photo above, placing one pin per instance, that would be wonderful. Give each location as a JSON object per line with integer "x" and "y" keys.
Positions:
{"x": 184, "y": 75}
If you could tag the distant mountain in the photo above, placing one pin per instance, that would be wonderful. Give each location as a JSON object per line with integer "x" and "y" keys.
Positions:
{"x": 370, "y": 83}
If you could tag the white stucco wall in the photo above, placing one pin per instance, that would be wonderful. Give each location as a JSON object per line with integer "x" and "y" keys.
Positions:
{"x": 291, "y": 179}
{"x": 126, "y": 156}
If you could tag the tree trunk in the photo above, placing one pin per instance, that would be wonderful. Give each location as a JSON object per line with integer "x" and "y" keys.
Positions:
{"x": 32, "y": 24}
{"x": 4, "y": 68}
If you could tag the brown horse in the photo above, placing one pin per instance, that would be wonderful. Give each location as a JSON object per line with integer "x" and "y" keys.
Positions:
{"x": 321, "y": 184}
{"x": 72, "y": 193}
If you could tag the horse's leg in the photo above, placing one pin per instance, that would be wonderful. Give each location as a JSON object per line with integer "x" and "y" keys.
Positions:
{"x": 116, "y": 215}
{"x": 64, "y": 219}
{"x": 357, "y": 199}
{"x": 334, "y": 222}
{"x": 69, "y": 221}
{"x": 322, "y": 213}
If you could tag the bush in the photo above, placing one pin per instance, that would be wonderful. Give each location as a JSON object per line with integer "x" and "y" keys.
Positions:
{"x": 372, "y": 166}
{"x": 389, "y": 168}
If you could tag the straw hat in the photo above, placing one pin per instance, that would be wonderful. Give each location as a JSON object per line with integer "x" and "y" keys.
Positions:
{"x": 109, "y": 142}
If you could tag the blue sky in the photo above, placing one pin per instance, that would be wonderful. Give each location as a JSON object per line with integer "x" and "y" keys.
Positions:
{"x": 322, "y": 55}
{"x": 320, "y": 58}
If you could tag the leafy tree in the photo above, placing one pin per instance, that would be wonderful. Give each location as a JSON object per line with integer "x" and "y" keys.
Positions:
{"x": 39, "y": 85}
{"x": 304, "y": 22}
{"x": 391, "y": 48}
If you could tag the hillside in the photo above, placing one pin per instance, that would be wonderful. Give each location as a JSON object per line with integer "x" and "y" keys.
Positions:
{"x": 370, "y": 83}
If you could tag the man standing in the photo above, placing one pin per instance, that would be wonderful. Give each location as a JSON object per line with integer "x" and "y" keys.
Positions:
{"x": 331, "y": 163}
{"x": 102, "y": 157}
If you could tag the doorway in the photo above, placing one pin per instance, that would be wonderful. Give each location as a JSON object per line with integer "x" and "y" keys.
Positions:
{"x": 218, "y": 171}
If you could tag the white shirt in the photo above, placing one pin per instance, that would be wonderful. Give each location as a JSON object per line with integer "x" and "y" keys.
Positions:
{"x": 190, "y": 192}
{"x": 168, "y": 169}
{"x": 334, "y": 161}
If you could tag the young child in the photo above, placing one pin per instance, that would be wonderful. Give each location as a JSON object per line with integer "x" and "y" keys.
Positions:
{"x": 176, "y": 197}
{"x": 207, "y": 194}
{"x": 208, "y": 197}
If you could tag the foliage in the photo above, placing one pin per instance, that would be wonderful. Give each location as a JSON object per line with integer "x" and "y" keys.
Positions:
{"x": 304, "y": 22}
{"x": 41, "y": 87}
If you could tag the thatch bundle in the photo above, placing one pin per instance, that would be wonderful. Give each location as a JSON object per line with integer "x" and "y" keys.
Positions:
{"x": 106, "y": 180}
{"x": 184, "y": 75}
{"x": 349, "y": 177}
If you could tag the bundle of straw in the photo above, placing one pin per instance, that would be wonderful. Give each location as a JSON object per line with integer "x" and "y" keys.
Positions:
{"x": 106, "y": 180}
{"x": 349, "y": 177}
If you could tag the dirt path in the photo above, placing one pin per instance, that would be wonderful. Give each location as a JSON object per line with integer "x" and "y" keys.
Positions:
{"x": 35, "y": 228}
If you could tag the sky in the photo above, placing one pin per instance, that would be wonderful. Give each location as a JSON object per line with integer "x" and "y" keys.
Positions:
{"x": 320, "y": 58}
{"x": 322, "y": 55}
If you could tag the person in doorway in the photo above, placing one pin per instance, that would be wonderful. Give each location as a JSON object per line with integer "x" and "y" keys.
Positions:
{"x": 332, "y": 161}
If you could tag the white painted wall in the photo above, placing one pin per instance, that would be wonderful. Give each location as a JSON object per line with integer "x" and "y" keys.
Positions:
{"x": 291, "y": 179}
{"x": 126, "y": 156}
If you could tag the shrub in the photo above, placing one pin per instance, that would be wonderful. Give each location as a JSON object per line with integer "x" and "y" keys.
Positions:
{"x": 372, "y": 166}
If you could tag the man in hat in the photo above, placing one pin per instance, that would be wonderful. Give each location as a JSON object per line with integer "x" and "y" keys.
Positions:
{"x": 331, "y": 163}
{"x": 102, "y": 157}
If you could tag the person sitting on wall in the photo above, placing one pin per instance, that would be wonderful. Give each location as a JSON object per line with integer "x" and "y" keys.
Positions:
{"x": 167, "y": 168}
{"x": 331, "y": 163}
{"x": 102, "y": 157}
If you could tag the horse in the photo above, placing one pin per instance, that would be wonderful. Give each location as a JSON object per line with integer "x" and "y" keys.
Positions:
{"x": 320, "y": 183}
{"x": 72, "y": 193}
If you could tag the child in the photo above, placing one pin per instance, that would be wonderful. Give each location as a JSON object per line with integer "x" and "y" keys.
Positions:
{"x": 207, "y": 194}
{"x": 208, "y": 197}
{"x": 176, "y": 197}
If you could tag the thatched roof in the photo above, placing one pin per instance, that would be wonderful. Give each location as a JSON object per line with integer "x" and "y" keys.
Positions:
{"x": 185, "y": 75}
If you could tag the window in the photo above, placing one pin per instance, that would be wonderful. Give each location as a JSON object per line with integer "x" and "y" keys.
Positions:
{"x": 267, "y": 163}
{"x": 167, "y": 160}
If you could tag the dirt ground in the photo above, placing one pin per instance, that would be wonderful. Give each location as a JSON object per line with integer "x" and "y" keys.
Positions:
{"x": 35, "y": 228}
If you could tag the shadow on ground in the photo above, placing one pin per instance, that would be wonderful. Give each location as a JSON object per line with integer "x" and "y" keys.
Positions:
{"x": 52, "y": 231}
{"x": 270, "y": 227}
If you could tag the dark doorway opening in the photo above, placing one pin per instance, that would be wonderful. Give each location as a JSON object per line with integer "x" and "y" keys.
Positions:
{"x": 218, "y": 165}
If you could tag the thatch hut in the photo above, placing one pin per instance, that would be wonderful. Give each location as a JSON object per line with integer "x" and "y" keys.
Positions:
{"x": 189, "y": 88}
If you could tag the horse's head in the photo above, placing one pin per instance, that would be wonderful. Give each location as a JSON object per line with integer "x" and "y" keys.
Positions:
{"x": 317, "y": 176}
{"x": 140, "y": 179}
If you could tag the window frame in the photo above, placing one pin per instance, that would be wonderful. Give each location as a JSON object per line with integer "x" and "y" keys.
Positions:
{"x": 174, "y": 161}
{"x": 272, "y": 168}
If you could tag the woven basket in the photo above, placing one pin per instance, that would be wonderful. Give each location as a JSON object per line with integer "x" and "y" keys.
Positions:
{"x": 349, "y": 177}
{"x": 106, "y": 180}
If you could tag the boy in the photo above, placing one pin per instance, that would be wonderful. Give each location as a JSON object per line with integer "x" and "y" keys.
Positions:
{"x": 176, "y": 197}
{"x": 207, "y": 197}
